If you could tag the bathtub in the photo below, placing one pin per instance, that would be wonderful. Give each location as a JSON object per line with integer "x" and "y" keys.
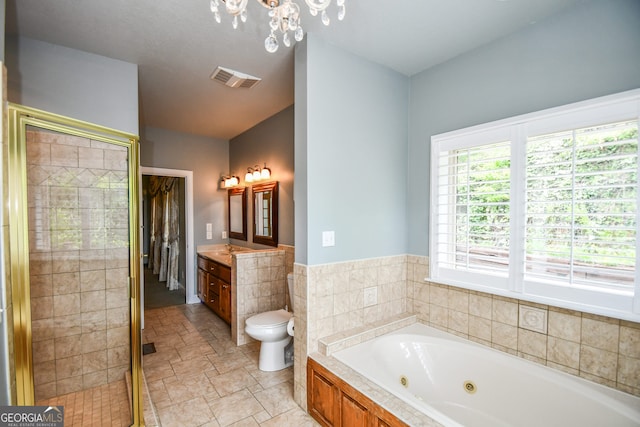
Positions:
{"x": 460, "y": 383}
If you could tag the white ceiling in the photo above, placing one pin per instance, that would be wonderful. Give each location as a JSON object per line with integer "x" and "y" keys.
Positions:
{"x": 177, "y": 45}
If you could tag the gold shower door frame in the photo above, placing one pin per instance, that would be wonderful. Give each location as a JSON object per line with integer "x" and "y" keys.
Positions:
{"x": 19, "y": 117}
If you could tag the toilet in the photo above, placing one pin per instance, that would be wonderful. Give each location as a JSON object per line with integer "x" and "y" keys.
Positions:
{"x": 270, "y": 328}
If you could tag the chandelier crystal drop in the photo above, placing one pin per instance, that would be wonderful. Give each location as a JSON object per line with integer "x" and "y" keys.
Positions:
{"x": 284, "y": 17}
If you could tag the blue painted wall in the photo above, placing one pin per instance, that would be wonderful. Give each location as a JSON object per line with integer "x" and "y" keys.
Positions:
{"x": 587, "y": 51}
{"x": 351, "y": 155}
{"x": 73, "y": 83}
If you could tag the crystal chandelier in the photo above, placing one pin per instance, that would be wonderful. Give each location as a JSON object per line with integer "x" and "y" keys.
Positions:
{"x": 284, "y": 14}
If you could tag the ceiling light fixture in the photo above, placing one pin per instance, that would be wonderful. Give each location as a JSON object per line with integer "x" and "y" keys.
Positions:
{"x": 284, "y": 14}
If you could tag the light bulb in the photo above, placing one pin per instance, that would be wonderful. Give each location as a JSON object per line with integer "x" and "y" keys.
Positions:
{"x": 325, "y": 18}
{"x": 248, "y": 177}
{"x": 271, "y": 43}
{"x": 256, "y": 175}
{"x": 265, "y": 173}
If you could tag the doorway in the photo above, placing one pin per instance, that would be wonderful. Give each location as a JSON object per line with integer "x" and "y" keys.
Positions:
{"x": 163, "y": 240}
{"x": 161, "y": 294}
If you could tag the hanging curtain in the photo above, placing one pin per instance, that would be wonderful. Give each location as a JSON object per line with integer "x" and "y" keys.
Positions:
{"x": 164, "y": 240}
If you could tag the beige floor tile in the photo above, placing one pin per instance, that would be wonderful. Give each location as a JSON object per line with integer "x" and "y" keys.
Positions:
{"x": 292, "y": 418}
{"x": 233, "y": 381}
{"x": 276, "y": 399}
{"x": 197, "y": 364}
{"x": 178, "y": 415}
{"x": 247, "y": 422}
{"x": 235, "y": 407}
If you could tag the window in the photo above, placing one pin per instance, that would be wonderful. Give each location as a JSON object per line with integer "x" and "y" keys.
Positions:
{"x": 542, "y": 207}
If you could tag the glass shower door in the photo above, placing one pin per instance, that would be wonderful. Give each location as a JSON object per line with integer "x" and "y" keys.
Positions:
{"x": 80, "y": 214}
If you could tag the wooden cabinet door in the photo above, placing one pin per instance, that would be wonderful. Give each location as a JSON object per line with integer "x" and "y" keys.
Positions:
{"x": 203, "y": 283}
{"x": 225, "y": 301}
{"x": 322, "y": 399}
{"x": 334, "y": 403}
{"x": 213, "y": 296}
{"x": 352, "y": 413}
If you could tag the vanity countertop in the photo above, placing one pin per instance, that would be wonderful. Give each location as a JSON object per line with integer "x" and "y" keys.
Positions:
{"x": 221, "y": 253}
{"x": 217, "y": 256}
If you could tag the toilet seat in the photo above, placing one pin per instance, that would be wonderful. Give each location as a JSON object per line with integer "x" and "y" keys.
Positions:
{"x": 269, "y": 319}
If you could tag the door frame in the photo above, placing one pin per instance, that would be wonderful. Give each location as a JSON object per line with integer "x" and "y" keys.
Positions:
{"x": 190, "y": 292}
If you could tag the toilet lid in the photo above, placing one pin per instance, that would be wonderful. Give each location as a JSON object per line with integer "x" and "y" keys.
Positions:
{"x": 269, "y": 319}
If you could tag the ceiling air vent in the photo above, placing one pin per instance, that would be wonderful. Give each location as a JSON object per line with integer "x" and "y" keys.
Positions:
{"x": 233, "y": 78}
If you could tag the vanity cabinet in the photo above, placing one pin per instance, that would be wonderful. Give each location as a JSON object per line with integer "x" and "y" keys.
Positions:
{"x": 334, "y": 403}
{"x": 214, "y": 287}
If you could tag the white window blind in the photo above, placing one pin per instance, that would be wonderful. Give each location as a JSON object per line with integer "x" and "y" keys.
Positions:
{"x": 582, "y": 206}
{"x": 473, "y": 189}
{"x": 542, "y": 207}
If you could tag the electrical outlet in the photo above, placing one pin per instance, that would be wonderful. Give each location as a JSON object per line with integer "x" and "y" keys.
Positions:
{"x": 209, "y": 227}
{"x": 224, "y": 234}
{"x": 209, "y": 235}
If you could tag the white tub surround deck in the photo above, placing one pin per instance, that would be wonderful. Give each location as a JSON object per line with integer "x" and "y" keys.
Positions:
{"x": 455, "y": 382}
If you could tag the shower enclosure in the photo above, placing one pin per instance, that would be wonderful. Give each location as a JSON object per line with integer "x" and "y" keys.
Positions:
{"x": 73, "y": 216}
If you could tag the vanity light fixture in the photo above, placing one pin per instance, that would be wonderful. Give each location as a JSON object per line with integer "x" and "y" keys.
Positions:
{"x": 265, "y": 173}
{"x": 256, "y": 173}
{"x": 230, "y": 181}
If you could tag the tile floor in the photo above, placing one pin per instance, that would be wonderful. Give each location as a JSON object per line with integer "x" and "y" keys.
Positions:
{"x": 106, "y": 405}
{"x": 199, "y": 377}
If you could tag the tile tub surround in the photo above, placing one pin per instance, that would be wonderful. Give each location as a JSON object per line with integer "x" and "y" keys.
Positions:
{"x": 79, "y": 262}
{"x": 258, "y": 284}
{"x": 597, "y": 348}
{"x": 399, "y": 408}
{"x": 329, "y": 299}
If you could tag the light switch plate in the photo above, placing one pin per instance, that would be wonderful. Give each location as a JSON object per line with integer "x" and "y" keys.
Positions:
{"x": 328, "y": 238}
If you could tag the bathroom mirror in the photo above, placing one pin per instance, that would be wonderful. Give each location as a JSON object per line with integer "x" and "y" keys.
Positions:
{"x": 265, "y": 213}
{"x": 237, "y": 213}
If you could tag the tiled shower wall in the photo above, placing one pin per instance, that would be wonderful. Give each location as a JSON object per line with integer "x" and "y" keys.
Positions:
{"x": 329, "y": 299}
{"x": 79, "y": 262}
